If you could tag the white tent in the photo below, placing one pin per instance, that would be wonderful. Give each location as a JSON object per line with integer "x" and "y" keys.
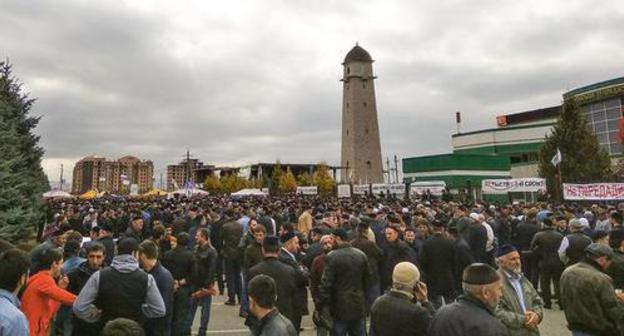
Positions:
{"x": 190, "y": 192}
{"x": 57, "y": 194}
{"x": 249, "y": 192}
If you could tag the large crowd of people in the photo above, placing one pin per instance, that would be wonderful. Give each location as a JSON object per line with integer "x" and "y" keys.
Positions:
{"x": 419, "y": 266}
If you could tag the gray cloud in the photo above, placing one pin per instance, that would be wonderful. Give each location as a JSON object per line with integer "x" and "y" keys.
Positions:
{"x": 247, "y": 81}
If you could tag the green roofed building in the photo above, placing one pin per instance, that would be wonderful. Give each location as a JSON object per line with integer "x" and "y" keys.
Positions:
{"x": 510, "y": 150}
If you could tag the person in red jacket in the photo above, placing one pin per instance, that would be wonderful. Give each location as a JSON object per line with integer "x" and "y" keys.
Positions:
{"x": 43, "y": 297}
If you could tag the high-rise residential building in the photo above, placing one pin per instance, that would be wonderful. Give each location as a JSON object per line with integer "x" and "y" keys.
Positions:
{"x": 186, "y": 171}
{"x": 118, "y": 176}
{"x": 361, "y": 147}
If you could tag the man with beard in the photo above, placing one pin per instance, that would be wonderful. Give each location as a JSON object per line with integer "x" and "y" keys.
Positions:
{"x": 316, "y": 273}
{"x": 206, "y": 257}
{"x": 473, "y": 312}
{"x": 253, "y": 252}
{"x": 96, "y": 254}
{"x": 180, "y": 261}
{"x": 521, "y": 309}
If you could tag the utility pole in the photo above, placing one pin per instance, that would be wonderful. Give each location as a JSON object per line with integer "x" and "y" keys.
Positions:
{"x": 388, "y": 169}
{"x": 61, "y": 179}
{"x": 396, "y": 169}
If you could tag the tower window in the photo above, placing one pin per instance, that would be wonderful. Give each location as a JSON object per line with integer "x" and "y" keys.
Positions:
{"x": 368, "y": 164}
{"x": 364, "y": 85}
{"x": 347, "y": 105}
{"x": 347, "y": 132}
{"x": 366, "y": 130}
{"x": 364, "y": 104}
{"x": 348, "y": 70}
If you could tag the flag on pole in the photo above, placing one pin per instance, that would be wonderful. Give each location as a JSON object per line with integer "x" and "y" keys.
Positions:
{"x": 557, "y": 158}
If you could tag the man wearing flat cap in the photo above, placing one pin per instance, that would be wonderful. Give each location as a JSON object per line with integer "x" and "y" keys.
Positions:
{"x": 473, "y": 312}
{"x": 589, "y": 300}
{"x": 520, "y": 309}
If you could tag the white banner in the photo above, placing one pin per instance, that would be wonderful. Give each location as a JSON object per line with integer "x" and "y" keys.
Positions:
{"x": 344, "y": 190}
{"x": 307, "y": 190}
{"x": 134, "y": 189}
{"x": 504, "y": 186}
{"x": 434, "y": 187}
{"x": 593, "y": 191}
{"x": 387, "y": 188}
{"x": 361, "y": 189}
{"x": 265, "y": 190}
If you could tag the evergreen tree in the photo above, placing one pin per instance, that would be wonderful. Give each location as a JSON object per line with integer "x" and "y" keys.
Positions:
{"x": 22, "y": 180}
{"x": 584, "y": 161}
{"x": 323, "y": 179}
{"x": 287, "y": 183}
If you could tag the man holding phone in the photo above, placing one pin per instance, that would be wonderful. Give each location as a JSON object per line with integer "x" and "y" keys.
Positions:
{"x": 405, "y": 309}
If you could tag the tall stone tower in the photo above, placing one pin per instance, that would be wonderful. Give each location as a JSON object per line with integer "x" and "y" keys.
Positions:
{"x": 361, "y": 148}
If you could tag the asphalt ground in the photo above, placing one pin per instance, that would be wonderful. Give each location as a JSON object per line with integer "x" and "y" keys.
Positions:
{"x": 224, "y": 320}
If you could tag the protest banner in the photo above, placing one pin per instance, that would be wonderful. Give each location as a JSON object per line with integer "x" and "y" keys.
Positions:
{"x": 307, "y": 190}
{"x": 388, "y": 188}
{"x": 435, "y": 187}
{"x": 361, "y": 189}
{"x": 344, "y": 190}
{"x": 593, "y": 191}
{"x": 504, "y": 186}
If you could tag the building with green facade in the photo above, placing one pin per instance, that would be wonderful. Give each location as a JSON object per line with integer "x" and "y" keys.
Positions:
{"x": 510, "y": 150}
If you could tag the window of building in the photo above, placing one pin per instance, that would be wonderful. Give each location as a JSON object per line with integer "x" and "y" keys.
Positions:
{"x": 368, "y": 164}
{"x": 603, "y": 118}
{"x": 347, "y": 132}
{"x": 364, "y": 104}
{"x": 348, "y": 70}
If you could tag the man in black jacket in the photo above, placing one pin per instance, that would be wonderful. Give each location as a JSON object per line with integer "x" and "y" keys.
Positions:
{"x": 206, "y": 265}
{"x": 231, "y": 234}
{"x": 374, "y": 255}
{"x": 544, "y": 246}
{"x": 437, "y": 261}
{"x": 343, "y": 285}
{"x": 262, "y": 292}
{"x": 285, "y": 276}
{"x": 148, "y": 258}
{"x": 78, "y": 278}
{"x": 181, "y": 263}
{"x": 287, "y": 255}
{"x": 395, "y": 251}
{"x": 405, "y": 309}
{"x": 473, "y": 312}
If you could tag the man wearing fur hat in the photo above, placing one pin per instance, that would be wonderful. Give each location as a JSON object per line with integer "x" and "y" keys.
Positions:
{"x": 473, "y": 312}
{"x": 521, "y": 309}
{"x": 405, "y": 309}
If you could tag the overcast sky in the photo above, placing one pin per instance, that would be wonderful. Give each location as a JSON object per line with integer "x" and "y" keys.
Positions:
{"x": 248, "y": 81}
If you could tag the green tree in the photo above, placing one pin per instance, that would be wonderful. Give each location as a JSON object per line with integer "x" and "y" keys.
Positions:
{"x": 583, "y": 160}
{"x": 304, "y": 179}
{"x": 233, "y": 183}
{"x": 212, "y": 184}
{"x": 22, "y": 180}
{"x": 323, "y": 179}
{"x": 287, "y": 183}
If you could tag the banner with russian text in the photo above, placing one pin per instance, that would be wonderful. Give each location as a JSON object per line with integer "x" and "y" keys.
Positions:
{"x": 593, "y": 191}
{"x": 307, "y": 190}
{"x": 504, "y": 186}
{"x": 344, "y": 190}
{"x": 434, "y": 187}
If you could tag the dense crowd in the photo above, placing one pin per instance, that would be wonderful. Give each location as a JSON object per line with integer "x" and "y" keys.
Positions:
{"x": 409, "y": 267}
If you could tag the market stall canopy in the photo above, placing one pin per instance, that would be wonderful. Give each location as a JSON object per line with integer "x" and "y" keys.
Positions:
{"x": 155, "y": 192}
{"x": 57, "y": 194}
{"x": 89, "y": 195}
{"x": 249, "y": 192}
{"x": 190, "y": 192}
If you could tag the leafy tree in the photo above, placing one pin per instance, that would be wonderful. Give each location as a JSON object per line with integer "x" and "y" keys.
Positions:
{"x": 22, "y": 179}
{"x": 233, "y": 183}
{"x": 276, "y": 177}
{"x": 287, "y": 183}
{"x": 583, "y": 160}
{"x": 304, "y": 179}
{"x": 212, "y": 184}
{"x": 323, "y": 179}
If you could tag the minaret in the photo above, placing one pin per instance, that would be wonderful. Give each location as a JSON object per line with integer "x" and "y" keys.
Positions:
{"x": 361, "y": 148}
